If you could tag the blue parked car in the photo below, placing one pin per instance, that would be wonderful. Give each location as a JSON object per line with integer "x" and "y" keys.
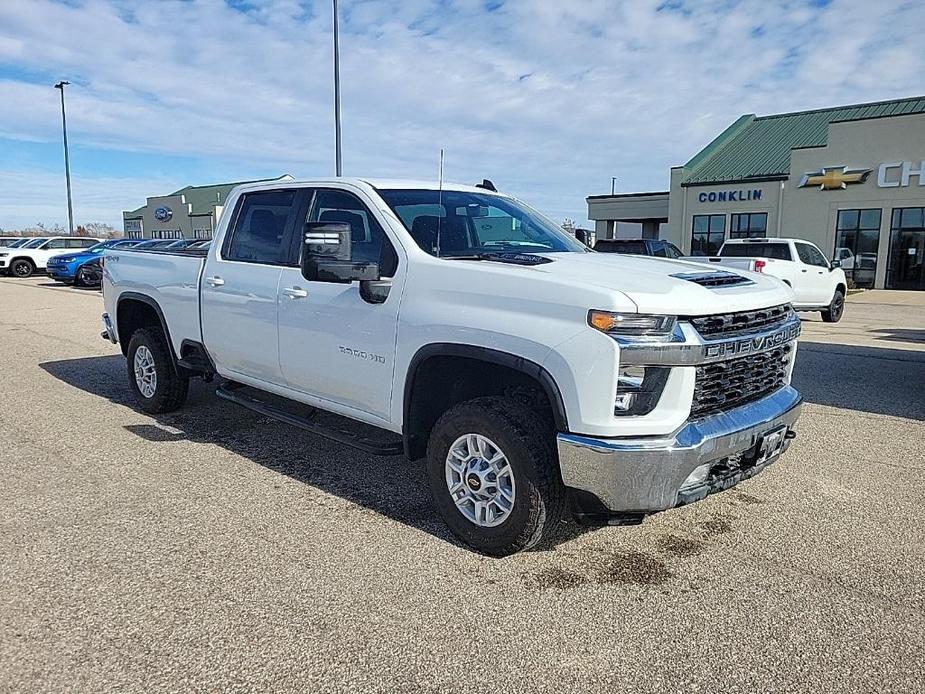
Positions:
{"x": 67, "y": 267}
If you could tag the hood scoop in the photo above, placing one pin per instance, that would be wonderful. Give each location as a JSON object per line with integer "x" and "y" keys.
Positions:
{"x": 719, "y": 278}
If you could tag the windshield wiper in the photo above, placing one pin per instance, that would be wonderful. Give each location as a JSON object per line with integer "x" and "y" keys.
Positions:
{"x": 512, "y": 257}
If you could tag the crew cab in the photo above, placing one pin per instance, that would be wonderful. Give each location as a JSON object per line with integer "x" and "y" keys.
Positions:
{"x": 818, "y": 285}
{"x": 24, "y": 260}
{"x": 655, "y": 247}
{"x": 456, "y": 324}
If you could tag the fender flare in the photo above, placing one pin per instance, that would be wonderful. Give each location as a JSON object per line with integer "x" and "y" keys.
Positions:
{"x": 145, "y": 299}
{"x": 492, "y": 356}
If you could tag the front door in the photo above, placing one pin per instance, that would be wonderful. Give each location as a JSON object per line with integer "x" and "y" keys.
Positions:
{"x": 240, "y": 286}
{"x": 907, "y": 249}
{"x": 333, "y": 344}
{"x": 813, "y": 284}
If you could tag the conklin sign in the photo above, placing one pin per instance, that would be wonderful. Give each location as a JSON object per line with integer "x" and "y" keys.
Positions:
{"x": 892, "y": 174}
{"x": 730, "y": 195}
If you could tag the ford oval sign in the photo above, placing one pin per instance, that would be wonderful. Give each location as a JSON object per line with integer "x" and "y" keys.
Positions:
{"x": 163, "y": 214}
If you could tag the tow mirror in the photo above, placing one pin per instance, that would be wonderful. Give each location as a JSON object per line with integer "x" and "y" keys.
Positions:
{"x": 582, "y": 236}
{"x": 326, "y": 255}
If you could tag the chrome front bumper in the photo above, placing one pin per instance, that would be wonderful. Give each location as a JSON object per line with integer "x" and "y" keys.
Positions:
{"x": 647, "y": 474}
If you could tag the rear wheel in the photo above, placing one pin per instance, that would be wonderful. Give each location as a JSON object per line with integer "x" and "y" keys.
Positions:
{"x": 836, "y": 308}
{"x": 152, "y": 374}
{"x": 494, "y": 475}
{"x": 22, "y": 268}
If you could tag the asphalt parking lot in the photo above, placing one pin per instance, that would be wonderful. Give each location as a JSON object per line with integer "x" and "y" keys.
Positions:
{"x": 211, "y": 549}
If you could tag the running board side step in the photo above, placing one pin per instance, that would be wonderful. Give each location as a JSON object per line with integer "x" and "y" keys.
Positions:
{"x": 228, "y": 392}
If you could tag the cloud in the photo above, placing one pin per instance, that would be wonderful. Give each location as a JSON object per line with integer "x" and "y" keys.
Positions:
{"x": 549, "y": 99}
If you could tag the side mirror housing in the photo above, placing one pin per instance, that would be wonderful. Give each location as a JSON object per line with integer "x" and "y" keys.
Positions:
{"x": 582, "y": 235}
{"x": 326, "y": 255}
{"x": 835, "y": 264}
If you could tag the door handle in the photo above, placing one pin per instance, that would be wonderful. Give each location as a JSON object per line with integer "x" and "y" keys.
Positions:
{"x": 215, "y": 281}
{"x": 804, "y": 270}
{"x": 295, "y": 292}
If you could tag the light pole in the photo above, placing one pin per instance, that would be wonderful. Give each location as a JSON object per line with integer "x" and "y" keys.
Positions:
{"x": 613, "y": 185}
{"x": 337, "y": 155}
{"x": 67, "y": 164}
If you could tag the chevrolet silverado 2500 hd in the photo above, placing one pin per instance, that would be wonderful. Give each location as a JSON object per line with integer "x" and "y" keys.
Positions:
{"x": 456, "y": 324}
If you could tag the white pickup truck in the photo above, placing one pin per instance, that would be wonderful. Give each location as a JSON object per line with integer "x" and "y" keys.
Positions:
{"x": 535, "y": 376}
{"x": 818, "y": 285}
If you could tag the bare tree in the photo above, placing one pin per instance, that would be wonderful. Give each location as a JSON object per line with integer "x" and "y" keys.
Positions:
{"x": 100, "y": 230}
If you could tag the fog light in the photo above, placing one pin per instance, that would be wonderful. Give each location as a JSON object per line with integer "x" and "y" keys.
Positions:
{"x": 697, "y": 477}
{"x": 638, "y": 389}
{"x": 624, "y": 402}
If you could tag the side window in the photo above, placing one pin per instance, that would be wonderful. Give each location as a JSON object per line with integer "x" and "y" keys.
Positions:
{"x": 369, "y": 243}
{"x": 659, "y": 249}
{"x": 55, "y": 244}
{"x": 673, "y": 251}
{"x": 816, "y": 257}
{"x": 260, "y": 229}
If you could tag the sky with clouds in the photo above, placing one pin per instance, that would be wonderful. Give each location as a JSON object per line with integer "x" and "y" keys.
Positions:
{"x": 548, "y": 98}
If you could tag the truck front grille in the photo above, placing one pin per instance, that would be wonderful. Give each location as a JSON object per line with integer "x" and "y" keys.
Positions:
{"x": 723, "y": 385}
{"x": 732, "y": 324}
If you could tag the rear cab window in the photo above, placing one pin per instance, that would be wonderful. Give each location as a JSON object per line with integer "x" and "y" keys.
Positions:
{"x": 263, "y": 228}
{"x": 628, "y": 247}
{"x": 779, "y": 250}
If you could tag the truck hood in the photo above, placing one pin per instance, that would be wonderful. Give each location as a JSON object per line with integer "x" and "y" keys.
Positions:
{"x": 654, "y": 286}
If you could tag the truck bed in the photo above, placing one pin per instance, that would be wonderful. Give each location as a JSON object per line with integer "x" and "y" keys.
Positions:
{"x": 171, "y": 278}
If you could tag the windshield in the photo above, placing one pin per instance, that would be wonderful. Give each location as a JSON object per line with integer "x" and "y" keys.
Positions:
{"x": 34, "y": 243}
{"x": 17, "y": 243}
{"x": 454, "y": 223}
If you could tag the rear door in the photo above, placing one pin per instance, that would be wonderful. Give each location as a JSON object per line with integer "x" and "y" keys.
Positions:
{"x": 240, "y": 283}
{"x": 814, "y": 277}
{"x": 333, "y": 344}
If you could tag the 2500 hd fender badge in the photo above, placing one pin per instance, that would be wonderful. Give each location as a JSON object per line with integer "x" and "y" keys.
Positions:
{"x": 360, "y": 354}
{"x": 733, "y": 348}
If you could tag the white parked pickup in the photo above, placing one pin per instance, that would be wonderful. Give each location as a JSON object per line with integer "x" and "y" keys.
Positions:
{"x": 818, "y": 285}
{"x": 537, "y": 377}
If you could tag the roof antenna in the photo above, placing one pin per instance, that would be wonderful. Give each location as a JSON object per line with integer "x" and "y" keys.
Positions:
{"x": 439, "y": 201}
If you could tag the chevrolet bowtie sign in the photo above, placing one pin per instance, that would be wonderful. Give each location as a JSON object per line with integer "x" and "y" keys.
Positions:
{"x": 834, "y": 177}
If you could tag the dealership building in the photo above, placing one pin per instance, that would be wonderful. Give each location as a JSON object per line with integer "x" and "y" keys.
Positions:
{"x": 850, "y": 179}
{"x": 189, "y": 213}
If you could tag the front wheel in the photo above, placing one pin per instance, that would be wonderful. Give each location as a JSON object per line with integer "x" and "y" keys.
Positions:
{"x": 22, "y": 268}
{"x": 152, "y": 373}
{"x": 494, "y": 475}
{"x": 836, "y": 308}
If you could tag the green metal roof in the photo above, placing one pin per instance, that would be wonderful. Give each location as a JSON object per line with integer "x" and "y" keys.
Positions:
{"x": 203, "y": 198}
{"x": 759, "y": 147}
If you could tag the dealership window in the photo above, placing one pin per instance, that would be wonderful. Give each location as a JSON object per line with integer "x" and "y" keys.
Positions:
{"x": 708, "y": 234}
{"x": 749, "y": 225}
{"x": 166, "y": 234}
{"x": 906, "y": 269}
{"x": 857, "y": 236}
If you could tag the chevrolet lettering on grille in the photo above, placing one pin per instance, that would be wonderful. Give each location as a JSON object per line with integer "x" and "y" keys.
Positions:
{"x": 735, "y": 348}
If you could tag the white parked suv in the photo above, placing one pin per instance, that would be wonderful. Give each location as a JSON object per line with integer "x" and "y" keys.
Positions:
{"x": 535, "y": 376}
{"x": 818, "y": 285}
{"x": 24, "y": 260}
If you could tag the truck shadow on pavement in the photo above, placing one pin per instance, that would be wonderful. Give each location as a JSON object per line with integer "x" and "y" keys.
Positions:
{"x": 865, "y": 379}
{"x": 391, "y": 486}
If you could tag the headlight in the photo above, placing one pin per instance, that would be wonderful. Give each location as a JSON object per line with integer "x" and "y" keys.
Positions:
{"x": 638, "y": 389}
{"x": 65, "y": 260}
{"x": 3, "y": 255}
{"x": 631, "y": 323}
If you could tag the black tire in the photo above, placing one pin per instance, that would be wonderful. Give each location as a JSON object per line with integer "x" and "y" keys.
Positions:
{"x": 79, "y": 278}
{"x": 21, "y": 268}
{"x": 528, "y": 442}
{"x": 170, "y": 386}
{"x": 836, "y": 308}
